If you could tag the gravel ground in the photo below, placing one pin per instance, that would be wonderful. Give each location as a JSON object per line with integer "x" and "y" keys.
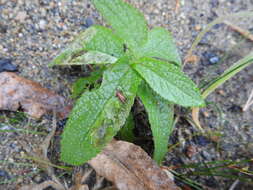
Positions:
{"x": 32, "y": 32}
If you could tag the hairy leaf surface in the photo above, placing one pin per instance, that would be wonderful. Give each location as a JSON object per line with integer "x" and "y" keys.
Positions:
{"x": 127, "y": 21}
{"x": 103, "y": 44}
{"x": 98, "y": 115}
{"x": 160, "y": 115}
{"x": 169, "y": 82}
{"x": 160, "y": 45}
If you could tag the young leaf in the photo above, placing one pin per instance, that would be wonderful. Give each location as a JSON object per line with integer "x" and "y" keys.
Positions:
{"x": 160, "y": 45}
{"x": 169, "y": 82}
{"x": 127, "y": 21}
{"x": 160, "y": 115}
{"x": 98, "y": 39}
{"x": 84, "y": 83}
{"x": 98, "y": 115}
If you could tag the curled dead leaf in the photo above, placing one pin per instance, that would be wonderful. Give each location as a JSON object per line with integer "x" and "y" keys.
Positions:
{"x": 19, "y": 93}
{"x": 130, "y": 168}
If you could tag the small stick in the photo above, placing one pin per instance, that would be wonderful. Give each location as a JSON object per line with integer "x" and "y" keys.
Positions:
{"x": 177, "y": 7}
{"x": 232, "y": 187}
{"x": 240, "y": 30}
{"x": 249, "y": 101}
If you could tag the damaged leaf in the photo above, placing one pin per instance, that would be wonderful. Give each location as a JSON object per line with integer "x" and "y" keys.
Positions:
{"x": 93, "y": 46}
{"x": 130, "y": 167}
{"x": 99, "y": 114}
{"x": 18, "y": 93}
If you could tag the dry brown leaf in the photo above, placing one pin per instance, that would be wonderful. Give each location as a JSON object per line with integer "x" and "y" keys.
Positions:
{"x": 130, "y": 168}
{"x": 19, "y": 93}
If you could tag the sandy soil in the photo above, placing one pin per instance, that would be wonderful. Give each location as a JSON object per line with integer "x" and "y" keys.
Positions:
{"x": 32, "y": 32}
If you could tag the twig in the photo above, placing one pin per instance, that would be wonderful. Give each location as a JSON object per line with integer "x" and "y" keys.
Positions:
{"x": 240, "y": 30}
{"x": 55, "y": 182}
{"x": 249, "y": 101}
{"x": 44, "y": 148}
{"x": 210, "y": 25}
{"x": 177, "y": 7}
{"x": 232, "y": 187}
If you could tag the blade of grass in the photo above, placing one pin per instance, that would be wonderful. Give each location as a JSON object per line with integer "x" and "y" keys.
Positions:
{"x": 213, "y": 23}
{"x": 186, "y": 180}
{"x": 38, "y": 160}
{"x": 229, "y": 73}
{"x": 224, "y": 162}
{"x": 223, "y": 174}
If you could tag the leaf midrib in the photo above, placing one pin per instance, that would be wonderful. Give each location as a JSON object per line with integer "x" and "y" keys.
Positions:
{"x": 169, "y": 81}
{"x": 99, "y": 114}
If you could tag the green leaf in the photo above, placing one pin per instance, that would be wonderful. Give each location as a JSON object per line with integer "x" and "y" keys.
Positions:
{"x": 85, "y": 83}
{"x": 128, "y": 22}
{"x": 160, "y": 114}
{"x": 229, "y": 73}
{"x": 169, "y": 82}
{"x": 126, "y": 132}
{"x": 160, "y": 45}
{"x": 98, "y": 115}
{"x": 103, "y": 44}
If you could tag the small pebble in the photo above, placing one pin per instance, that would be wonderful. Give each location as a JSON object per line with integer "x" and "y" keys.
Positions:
{"x": 4, "y": 174}
{"x": 88, "y": 22}
{"x": 201, "y": 140}
{"x": 21, "y": 16}
{"x": 42, "y": 24}
{"x": 221, "y": 92}
{"x": 214, "y": 3}
{"x": 206, "y": 114}
{"x": 6, "y": 65}
{"x": 210, "y": 58}
{"x": 3, "y": 29}
{"x": 37, "y": 179}
{"x": 62, "y": 123}
{"x": 198, "y": 27}
{"x": 235, "y": 109}
{"x": 191, "y": 151}
{"x": 214, "y": 60}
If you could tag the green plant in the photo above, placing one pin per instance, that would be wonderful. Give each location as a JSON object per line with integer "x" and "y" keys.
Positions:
{"x": 139, "y": 62}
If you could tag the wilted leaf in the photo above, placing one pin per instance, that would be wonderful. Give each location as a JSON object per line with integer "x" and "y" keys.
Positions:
{"x": 102, "y": 43}
{"x": 19, "y": 93}
{"x": 93, "y": 57}
{"x": 130, "y": 168}
{"x": 169, "y": 82}
{"x": 128, "y": 22}
{"x": 160, "y": 115}
{"x": 99, "y": 114}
